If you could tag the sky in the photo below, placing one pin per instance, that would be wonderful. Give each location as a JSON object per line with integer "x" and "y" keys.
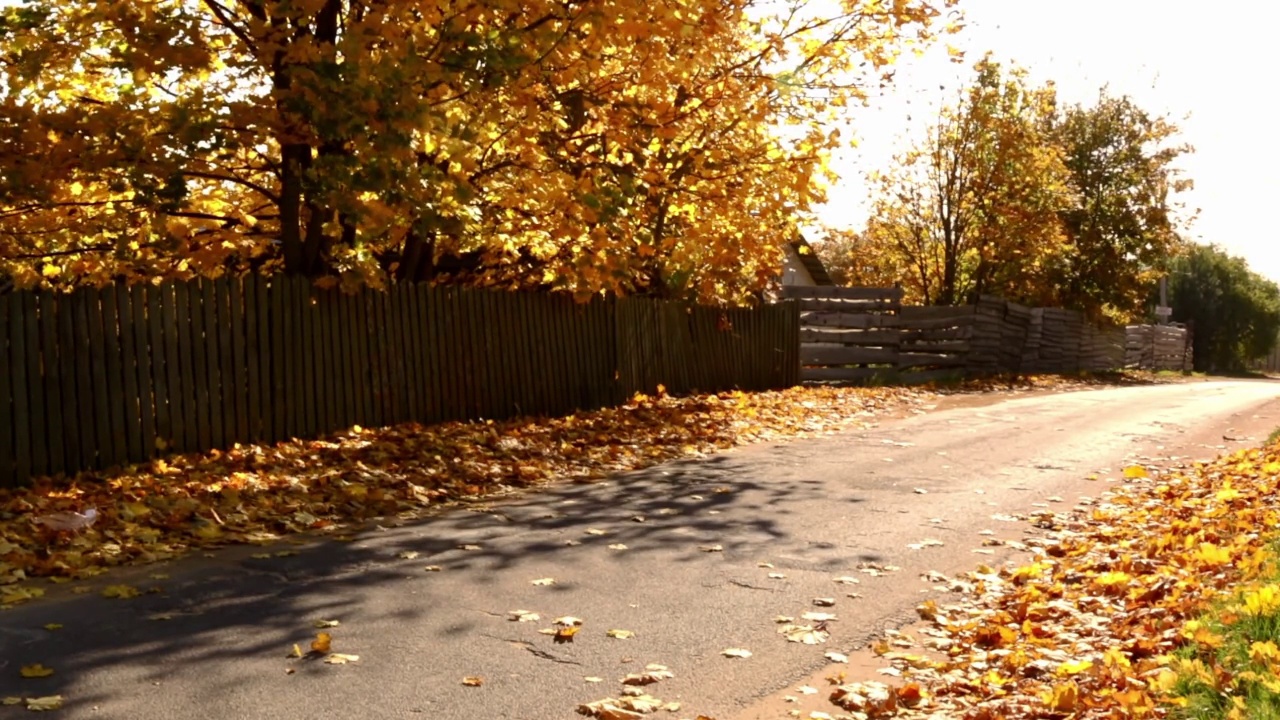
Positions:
{"x": 1211, "y": 68}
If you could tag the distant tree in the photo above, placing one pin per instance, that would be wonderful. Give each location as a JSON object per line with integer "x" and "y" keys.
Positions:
{"x": 1233, "y": 311}
{"x": 1122, "y": 229}
{"x": 973, "y": 207}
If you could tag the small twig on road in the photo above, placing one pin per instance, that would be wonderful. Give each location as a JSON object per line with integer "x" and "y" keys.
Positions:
{"x": 536, "y": 652}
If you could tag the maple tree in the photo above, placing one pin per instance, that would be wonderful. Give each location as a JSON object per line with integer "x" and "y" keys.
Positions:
{"x": 972, "y": 208}
{"x": 669, "y": 148}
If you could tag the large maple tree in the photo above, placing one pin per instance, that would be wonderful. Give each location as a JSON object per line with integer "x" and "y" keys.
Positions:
{"x": 667, "y": 147}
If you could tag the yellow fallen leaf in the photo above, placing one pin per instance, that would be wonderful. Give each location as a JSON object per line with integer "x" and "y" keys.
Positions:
{"x": 122, "y": 592}
{"x": 296, "y": 652}
{"x": 736, "y": 653}
{"x": 53, "y": 626}
{"x": 1074, "y": 668}
{"x": 472, "y": 681}
{"x": 321, "y": 624}
{"x": 543, "y": 582}
{"x": 340, "y": 659}
{"x": 620, "y": 634}
{"x": 322, "y": 643}
{"x": 1134, "y": 472}
{"x": 261, "y": 556}
{"x": 36, "y": 671}
{"x": 407, "y": 554}
{"x": 1062, "y": 698}
{"x": 49, "y": 702}
{"x": 433, "y": 568}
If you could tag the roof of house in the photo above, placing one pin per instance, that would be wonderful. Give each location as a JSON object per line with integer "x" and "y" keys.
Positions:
{"x": 809, "y": 258}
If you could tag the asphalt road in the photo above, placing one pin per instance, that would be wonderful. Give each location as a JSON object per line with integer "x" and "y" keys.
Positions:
{"x": 814, "y": 509}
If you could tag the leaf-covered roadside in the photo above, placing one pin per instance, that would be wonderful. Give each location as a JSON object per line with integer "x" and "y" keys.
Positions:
{"x": 1088, "y": 629}
{"x": 258, "y": 493}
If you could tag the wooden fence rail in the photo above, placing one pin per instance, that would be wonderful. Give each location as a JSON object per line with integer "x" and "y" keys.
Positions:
{"x": 103, "y": 377}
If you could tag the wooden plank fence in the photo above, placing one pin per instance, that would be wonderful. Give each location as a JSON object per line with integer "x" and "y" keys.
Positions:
{"x": 860, "y": 333}
{"x": 103, "y": 377}
{"x": 1157, "y": 347}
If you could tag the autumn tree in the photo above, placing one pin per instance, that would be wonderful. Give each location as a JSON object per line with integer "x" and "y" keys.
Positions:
{"x": 1123, "y": 227}
{"x": 1233, "y": 312}
{"x": 972, "y": 208}
{"x": 668, "y": 147}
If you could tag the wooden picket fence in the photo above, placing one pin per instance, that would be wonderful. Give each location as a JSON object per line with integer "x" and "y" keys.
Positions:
{"x": 102, "y": 377}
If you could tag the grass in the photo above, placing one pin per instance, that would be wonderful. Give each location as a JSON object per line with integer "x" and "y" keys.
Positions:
{"x": 1231, "y": 667}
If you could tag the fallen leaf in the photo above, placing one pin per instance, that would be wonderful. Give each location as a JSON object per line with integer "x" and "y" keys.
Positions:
{"x": 340, "y": 659}
{"x": 469, "y": 548}
{"x": 824, "y": 601}
{"x": 711, "y": 548}
{"x": 49, "y": 702}
{"x": 407, "y": 554}
{"x": 777, "y": 576}
{"x": 565, "y": 634}
{"x": 296, "y": 652}
{"x": 593, "y": 679}
{"x": 473, "y": 681}
{"x": 818, "y": 617}
{"x": 596, "y": 531}
{"x": 621, "y": 634}
{"x": 652, "y": 674}
{"x": 617, "y": 546}
{"x": 543, "y": 582}
{"x": 805, "y": 634}
{"x": 568, "y": 621}
{"x": 122, "y": 592}
{"x": 321, "y": 624}
{"x": 847, "y": 580}
{"x": 836, "y": 657}
{"x": 736, "y": 653}
{"x": 523, "y": 616}
{"x": 53, "y": 626}
{"x": 322, "y": 643}
{"x": 36, "y": 671}
{"x": 433, "y": 568}
{"x": 10, "y": 700}
{"x": 261, "y": 556}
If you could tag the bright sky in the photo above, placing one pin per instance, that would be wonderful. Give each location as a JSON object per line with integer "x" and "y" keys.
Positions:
{"x": 1211, "y": 68}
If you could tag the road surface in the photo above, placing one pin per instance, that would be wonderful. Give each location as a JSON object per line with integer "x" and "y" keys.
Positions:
{"x": 814, "y": 509}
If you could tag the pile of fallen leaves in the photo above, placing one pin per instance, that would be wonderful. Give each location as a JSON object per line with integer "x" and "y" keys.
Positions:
{"x": 72, "y": 528}
{"x": 1088, "y": 629}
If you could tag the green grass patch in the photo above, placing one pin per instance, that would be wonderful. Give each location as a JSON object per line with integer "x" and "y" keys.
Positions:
{"x": 1230, "y": 668}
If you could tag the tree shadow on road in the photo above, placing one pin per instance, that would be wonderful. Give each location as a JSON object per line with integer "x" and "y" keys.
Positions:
{"x": 250, "y": 605}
